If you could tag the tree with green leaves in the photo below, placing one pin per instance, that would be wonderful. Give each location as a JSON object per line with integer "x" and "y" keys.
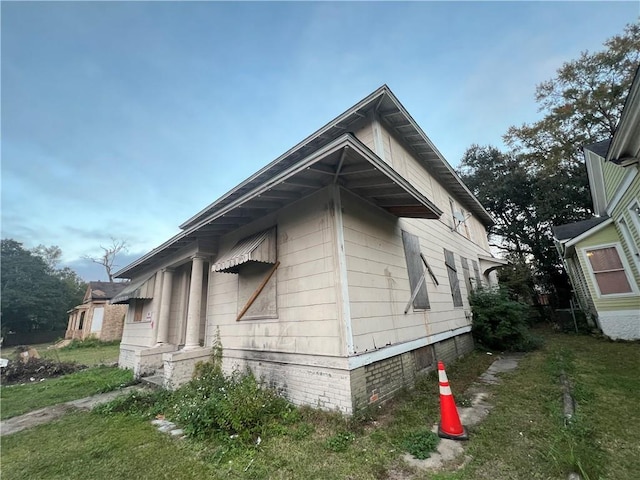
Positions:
{"x": 542, "y": 180}
{"x": 35, "y": 295}
{"x": 581, "y": 104}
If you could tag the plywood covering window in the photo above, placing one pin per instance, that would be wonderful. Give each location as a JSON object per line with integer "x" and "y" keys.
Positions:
{"x": 416, "y": 269}
{"x": 137, "y": 313}
{"x": 450, "y": 262}
{"x": 465, "y": 274}
{"x": 250, "y": 276}
{"x": 476, "y": 271}
{"x": 608, "y": 270}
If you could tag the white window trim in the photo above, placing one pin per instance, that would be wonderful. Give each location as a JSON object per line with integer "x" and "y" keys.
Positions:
{"x": 625, "y": 265}
{"x": 631, "y": 209}
{"x": 633, "y": 249}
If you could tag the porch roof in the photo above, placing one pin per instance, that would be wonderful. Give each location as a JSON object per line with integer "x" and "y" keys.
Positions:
{"x": 140, "y": 289}
{"x": 345, "y": 161}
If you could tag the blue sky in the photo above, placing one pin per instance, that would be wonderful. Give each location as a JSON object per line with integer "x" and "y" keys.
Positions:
{"x": 124, "y": 119}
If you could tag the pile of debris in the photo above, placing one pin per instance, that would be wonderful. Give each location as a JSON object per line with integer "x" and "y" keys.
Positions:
{"x": 27, "y": 367}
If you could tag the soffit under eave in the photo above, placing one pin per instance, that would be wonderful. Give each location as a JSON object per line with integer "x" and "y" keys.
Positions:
{"x": 385, "y": 104}
{"x": 340, "y": 125}
{"x": 401, "y": 123}
{"x": 360, "y": 172}
{"x": 625, "y": 144}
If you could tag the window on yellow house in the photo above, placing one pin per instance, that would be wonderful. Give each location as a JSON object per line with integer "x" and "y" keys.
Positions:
{"x": 608, "y": 270}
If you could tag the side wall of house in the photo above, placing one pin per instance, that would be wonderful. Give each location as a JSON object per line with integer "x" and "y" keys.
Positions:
{"x": 388, "y": 147}
{"x": 113, "y": 322}
{"x": 307, "y": 320}
{"x": 618, "y": 314}
{"x": 378, "y": 278}
{"x": 393, "y": 346}
{"x": 613, "y": 176}
{"x": 625, "y": 212}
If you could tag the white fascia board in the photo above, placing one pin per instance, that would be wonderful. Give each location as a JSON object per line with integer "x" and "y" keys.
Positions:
{"x": 394, "y": 350}
{"x": 379, "y": 92}
{"x": 622, "y": 188}
{"x": 345, "y": 140}
{"x": 589, "y": 232}
{"x": 625, "y": 139}
{"x": 426, "y": 139}
{"x": 595, "y": 175}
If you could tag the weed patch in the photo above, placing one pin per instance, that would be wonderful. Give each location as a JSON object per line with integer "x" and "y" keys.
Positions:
{"x": 340, "y": 441}
{"x": 421, "y": 444}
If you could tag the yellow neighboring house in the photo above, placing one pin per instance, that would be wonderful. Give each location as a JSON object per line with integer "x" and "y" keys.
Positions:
{"x": 602, "y": 254}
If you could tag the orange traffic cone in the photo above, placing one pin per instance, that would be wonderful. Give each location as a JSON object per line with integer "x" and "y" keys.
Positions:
{"x": 449, "y": 426}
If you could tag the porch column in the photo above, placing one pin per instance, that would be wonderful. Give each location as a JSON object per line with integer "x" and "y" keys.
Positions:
{"x": 192, "y": 339}
{"x": 165, "y": 306}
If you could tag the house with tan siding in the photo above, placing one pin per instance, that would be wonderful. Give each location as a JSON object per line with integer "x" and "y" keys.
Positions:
{"x": 602, "y": 255}
{"x": 337, "y": 272}
{"x": 95, "y": 316}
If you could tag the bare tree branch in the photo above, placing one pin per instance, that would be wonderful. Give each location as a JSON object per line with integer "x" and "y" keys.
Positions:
{"x": 108, "y": 256}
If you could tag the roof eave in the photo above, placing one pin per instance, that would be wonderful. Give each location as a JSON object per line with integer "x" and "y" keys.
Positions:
{"x": 625, "y": 145}
{"x": 422, "y": 207}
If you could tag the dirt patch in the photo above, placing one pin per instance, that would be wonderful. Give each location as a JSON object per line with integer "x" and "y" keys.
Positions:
{"x": 36, "y": 369}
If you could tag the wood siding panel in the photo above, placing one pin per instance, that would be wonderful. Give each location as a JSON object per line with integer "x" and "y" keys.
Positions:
{"x": 307, "y": 320}
{"x": 613, "y": 176}
{"x": 415, "y": 172}
{"x": 378, "y": 278}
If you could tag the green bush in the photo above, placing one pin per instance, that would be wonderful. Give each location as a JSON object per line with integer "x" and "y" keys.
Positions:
{"x": 232, "y": 405}
{"x": 420, "y": 444}
{"x": 228, "y": 407}
{"x": 500, "y": 323}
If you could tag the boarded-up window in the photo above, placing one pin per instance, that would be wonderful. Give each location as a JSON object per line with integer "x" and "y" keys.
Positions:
{"x": 415, "y": 269}
{"x": 465, "y": 274}
{"x": 450, "y": 262}
{"x": 608, "y": 271}
{"x": 476, "y": 271}
{"x": 137, "y": 313}
{"x": 250, "y": 276}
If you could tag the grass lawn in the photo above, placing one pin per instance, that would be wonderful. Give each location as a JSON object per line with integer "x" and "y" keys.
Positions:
{"x": 523, "y": 437}
{"x": 19, "y": 399}
{"x": 103, "y": 354}
{"x": 86, "y": 356}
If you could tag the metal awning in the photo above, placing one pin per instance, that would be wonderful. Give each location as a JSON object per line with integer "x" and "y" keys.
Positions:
{"x": 260, "y": 247}
{"x": 140, "y": 289}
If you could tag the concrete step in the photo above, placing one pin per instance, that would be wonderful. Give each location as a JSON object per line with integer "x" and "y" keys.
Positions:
{"x": 155, "y": 380}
